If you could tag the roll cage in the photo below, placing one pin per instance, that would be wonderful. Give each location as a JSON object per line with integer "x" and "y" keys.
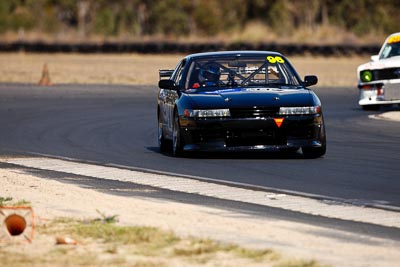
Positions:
{"x": 272, "y": 70}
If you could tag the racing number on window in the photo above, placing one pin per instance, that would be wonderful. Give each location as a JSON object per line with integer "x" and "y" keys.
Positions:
{"x": 277, "y": 59}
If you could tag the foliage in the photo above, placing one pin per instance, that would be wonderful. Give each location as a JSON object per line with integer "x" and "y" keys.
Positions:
{"x": 8, "y": 201}
{"x": 106, "y": 219}
{"x": 4, "y": 200}
{"x": 136, "y": 18}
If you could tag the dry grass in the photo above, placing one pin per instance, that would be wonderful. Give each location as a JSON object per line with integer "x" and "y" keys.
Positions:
{"x": 331, "y": 71}
{"x": 8, "y": 201}
{"x": 143, "y": 69}
{"x": 108, "y": 244}
{"x": 257, "y": 31}
{"x": 78, "y": 68}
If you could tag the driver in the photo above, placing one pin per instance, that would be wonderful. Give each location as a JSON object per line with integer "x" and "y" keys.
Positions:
{"x": 209, "y": 74}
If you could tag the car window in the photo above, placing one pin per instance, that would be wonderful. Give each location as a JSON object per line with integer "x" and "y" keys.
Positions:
{"x": 274, "y": 70}
{"x": 177, "y": 75}
{"x": 390, "y": 50}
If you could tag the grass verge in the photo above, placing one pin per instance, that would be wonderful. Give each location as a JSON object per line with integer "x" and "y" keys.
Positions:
{"x": 102, "y": 242}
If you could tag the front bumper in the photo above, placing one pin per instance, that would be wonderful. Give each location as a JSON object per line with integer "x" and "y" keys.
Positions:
{"x": 384, "y": 92}
{"x": 252, "y": 134}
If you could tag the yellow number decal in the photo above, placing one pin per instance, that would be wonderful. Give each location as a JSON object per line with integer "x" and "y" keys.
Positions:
{"x": 276, "y": 59}
{"x": 271, "y": 59}
{"x": 279, "y": 60}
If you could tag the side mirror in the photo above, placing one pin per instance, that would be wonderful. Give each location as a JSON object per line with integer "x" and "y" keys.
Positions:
{"x": 375, "y": 58}
{"x": 167, "y": 84}
{"x": 310, "y": 80}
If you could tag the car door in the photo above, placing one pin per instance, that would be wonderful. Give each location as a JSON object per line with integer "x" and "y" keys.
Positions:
{"x": 170, "y": 96}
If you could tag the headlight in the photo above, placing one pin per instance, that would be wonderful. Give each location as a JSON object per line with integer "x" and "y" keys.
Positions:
{"x": 366, "y": 76}
{"x": 299, "y": 110}
{"x": 205, "y": 113}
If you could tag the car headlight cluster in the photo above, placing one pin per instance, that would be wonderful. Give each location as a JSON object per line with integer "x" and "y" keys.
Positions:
{"x": 366, "y": 76}
{"x": 299, "y": 110}
{"x": 206, "y": 113}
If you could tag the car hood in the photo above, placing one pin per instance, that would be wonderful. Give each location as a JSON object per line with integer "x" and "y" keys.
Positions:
{"x": 392, "y": 62}
{"x": 251, "y": 97}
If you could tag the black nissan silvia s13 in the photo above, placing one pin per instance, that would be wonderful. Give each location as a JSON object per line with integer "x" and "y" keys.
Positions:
{"x": 239, "y": 101}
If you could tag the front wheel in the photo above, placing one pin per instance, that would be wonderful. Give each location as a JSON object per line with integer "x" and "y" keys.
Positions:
{"x": 313, "y": 152}
{"x": 177, "y": 147}
{"x": 162, "y": 142}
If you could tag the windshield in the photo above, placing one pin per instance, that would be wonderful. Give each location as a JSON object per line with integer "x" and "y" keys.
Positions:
{"x": 239, "y": 71}
{"x": 391, "y": 49}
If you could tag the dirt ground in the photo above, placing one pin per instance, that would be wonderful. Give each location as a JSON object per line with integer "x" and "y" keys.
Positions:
{"x": 143, "y": 69}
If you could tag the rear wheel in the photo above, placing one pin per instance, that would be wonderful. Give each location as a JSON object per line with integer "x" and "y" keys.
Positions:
{"x": 313, "y": 152}
{"x": 176, "y": 138}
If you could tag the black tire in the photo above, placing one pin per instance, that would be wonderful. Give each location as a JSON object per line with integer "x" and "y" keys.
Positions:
{"x": 177, "y": 146}
{"x": 162, "y": 142}
{"x": 313, "y": 152}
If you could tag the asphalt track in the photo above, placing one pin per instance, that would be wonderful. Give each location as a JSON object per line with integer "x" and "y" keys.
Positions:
{"x": 117, "y": 125}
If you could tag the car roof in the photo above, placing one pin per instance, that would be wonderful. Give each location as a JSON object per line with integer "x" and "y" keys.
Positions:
{"x": 391, "y": 36}
{"x": 232, "y": 53}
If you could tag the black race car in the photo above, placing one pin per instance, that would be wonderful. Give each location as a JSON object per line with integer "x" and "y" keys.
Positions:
{"x": 238, "y": 101}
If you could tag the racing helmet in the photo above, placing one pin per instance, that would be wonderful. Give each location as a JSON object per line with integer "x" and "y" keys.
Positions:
{"x": 210, "y": 72}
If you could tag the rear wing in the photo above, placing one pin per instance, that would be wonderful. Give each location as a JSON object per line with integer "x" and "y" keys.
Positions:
{"x": 165, "y": 73}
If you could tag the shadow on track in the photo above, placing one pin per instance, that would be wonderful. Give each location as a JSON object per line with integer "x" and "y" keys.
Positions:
{"x": 270, "y": 155}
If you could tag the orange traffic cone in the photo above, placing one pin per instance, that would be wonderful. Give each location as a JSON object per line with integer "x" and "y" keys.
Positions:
{"x": 45, "y": 80}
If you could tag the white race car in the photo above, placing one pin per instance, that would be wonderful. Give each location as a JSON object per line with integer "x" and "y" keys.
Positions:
{"x": 379, "y": 80}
